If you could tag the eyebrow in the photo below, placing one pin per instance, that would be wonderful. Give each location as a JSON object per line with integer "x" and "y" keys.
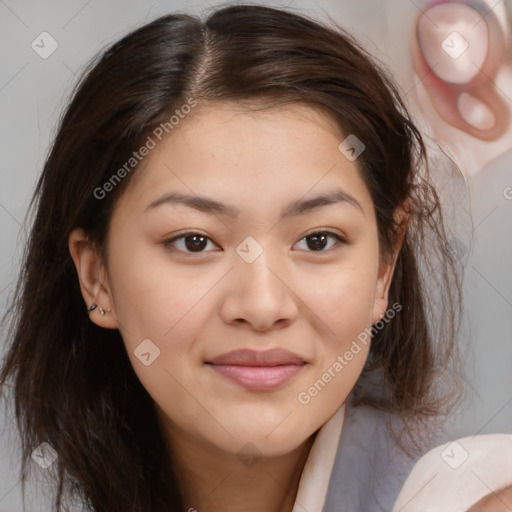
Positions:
{"x": 295, "y": 208}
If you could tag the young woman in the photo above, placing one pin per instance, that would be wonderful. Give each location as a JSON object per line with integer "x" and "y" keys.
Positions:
{"x": 223, "y": 304}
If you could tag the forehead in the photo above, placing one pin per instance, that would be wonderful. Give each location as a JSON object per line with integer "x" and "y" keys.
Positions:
{"x": 237, "y": 149}
{"x": 288, "y": 121}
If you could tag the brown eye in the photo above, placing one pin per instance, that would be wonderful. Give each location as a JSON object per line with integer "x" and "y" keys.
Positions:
{"x": 317, "y": 242}
{"x": 191, "y": 242}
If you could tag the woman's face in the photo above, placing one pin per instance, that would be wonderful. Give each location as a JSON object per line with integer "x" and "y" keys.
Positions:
{"x": 255, "y": 275}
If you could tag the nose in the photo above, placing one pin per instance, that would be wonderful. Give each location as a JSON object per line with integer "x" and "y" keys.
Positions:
{"x": 259, "y": 294}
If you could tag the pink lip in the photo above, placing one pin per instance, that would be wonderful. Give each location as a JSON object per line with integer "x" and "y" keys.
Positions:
{"x": 256, "y": 370}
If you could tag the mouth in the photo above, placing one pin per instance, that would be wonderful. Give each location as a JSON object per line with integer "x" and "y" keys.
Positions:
{"x": 258, "y": 370}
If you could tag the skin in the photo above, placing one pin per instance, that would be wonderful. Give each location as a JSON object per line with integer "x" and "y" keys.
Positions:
{"x": 197, "y": 305}
{"x": 500, "y": 501}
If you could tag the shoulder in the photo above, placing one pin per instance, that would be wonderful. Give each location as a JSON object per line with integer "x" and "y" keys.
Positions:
{"x": 370, "y": 466}
{"x": 456, "y": 474}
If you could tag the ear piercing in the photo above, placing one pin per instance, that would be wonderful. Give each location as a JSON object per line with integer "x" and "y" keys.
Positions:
{"x": 102, "y": 311}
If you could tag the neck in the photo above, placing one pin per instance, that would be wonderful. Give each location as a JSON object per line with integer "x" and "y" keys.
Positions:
{"x": 212, "y": 479}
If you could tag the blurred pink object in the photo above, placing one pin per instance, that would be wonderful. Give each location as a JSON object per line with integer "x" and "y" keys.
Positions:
{"x": 454, "y": 476}
{"x": 457, "y": 52}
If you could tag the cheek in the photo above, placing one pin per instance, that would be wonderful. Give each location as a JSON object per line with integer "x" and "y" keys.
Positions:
{"x": 160, "y": 314}
{"x": 350, "y": 302}
{"x": 345, "y": 310}
{"x": 340, "y": 296}
{"x": 154, "y": 298}
{"x": 342, "y": 300}
{"x": 167, "y": 305}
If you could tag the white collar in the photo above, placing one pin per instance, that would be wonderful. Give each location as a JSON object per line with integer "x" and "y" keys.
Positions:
{"x": 316, "y": 474}
{"x": 457, "y": 474}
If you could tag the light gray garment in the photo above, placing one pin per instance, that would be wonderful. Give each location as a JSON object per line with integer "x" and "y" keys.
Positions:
{"x": 370, "y": 468}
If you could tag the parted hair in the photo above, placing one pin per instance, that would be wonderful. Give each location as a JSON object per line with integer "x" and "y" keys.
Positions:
{"x": 72, "y": 383}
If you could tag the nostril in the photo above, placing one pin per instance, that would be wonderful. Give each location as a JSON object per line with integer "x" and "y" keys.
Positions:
{"x": 454, "y": 40}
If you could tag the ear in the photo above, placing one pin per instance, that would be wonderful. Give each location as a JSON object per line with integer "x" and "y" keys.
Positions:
{"x": 93, "y": 279}
{"x": 387, "y": 267}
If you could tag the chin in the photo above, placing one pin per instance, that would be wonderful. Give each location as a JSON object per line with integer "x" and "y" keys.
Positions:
{"x": 271, "y": 442}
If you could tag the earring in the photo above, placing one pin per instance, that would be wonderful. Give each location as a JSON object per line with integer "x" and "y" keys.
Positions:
{"x": 102, "y": 311}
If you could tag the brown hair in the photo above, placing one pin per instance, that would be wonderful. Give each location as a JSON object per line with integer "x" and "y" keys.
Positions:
{"x": 73, "y": 383}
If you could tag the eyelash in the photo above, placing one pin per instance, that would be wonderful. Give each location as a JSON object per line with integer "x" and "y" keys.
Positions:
{"x": 184, "y": 234}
